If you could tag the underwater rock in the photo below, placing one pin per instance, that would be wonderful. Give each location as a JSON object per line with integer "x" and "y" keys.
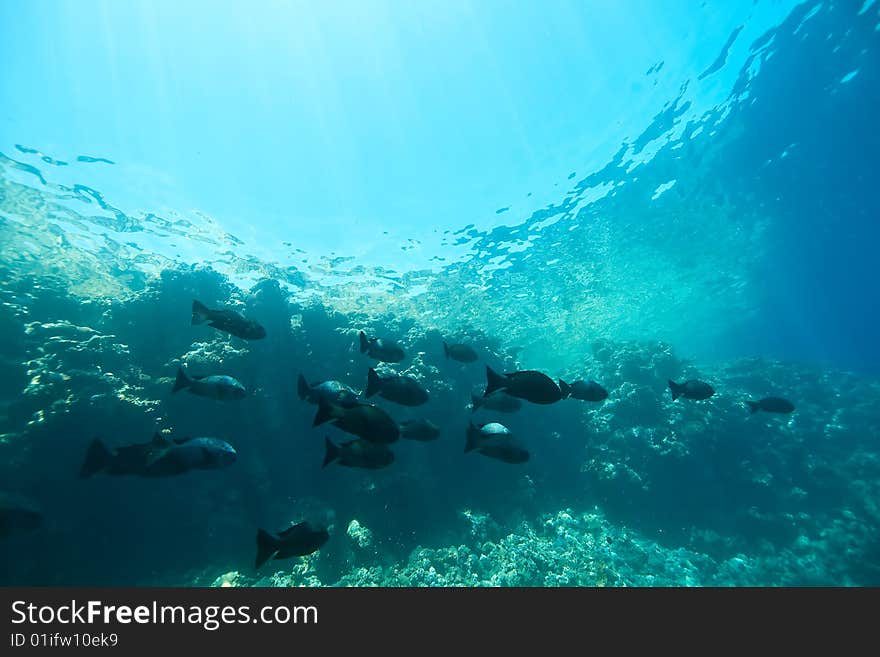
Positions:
{"x": 361, "y": 536}
{"x": 646, "y": 363}
{"x": 634, "y": 405}
{"x": 301, "y": 573}
{"x": 230, "y": 579}
{"x": 482, "y": 526}
{"x": 562, "y": 549}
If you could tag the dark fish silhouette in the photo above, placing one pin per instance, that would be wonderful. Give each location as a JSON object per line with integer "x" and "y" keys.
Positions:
{"x": 362, "y": 420}
{"x": 422, "y": 430}
{"x": 296, "y": 541}
{"x": 583, "y": 390}
{"x": 332, "y": 392}
{"x": 216, "y": 386}
{"x": 771, "y": 405}
{"x": 691, "y": 389}
{"x": 227, "y": 320}
{"x": 460, "y": 352}
{"x": 495, "y": 441}
{"x": 18, "y": 515}
{"x": 400, "y": 389}
{"x": 382, "y": 349}
{"x": 497, "y": 401}
{"x": 161, "y": 457}
{"x": 530, "y": 385}
{"x": 358, "y": 453}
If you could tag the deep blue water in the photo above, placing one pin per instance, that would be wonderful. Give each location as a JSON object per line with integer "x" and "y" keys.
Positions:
{"x": 815, "y": 302}
{"x": 701, "y": 205}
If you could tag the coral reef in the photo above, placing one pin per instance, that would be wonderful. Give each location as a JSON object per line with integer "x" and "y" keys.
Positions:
{"x": 568, "y": 549}
{"x": 654, "y": 491}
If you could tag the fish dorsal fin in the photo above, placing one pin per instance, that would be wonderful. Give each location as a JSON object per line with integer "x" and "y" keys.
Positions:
{"x": 159, "y": 448}
{"x": 300, "y": 525}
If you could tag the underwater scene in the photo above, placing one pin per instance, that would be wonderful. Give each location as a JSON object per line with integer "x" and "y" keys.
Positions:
{"x": 440, "y": 294}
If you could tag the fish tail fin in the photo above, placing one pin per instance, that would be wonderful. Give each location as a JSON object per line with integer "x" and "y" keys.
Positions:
{"x": 97, "y": 458}
{"x": 302, "y": 387}
{"x": 201, "y": 312}
{"x": 374, "y": 383}
{"x": 325, "y": 413}
{"x": 182, "y": 380}
{"x": 331, "y": 452}
{"x": 365, "y": 344}
{"x": 446, "y": 349}
{"x": 753, "y": 406}
{"x": 675, "y": 389}
{"x": 472, "y": 436}
{"x": 494, "y": 381}
{"x": 267, "y": 545}
{"x": 565, "y": 388}
{"x": 476, "y": 402}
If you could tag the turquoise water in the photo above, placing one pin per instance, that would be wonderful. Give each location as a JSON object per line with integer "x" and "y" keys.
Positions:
{"x": 629, "y": 193}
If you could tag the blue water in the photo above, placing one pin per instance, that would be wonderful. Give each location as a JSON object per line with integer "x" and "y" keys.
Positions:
{"x": 627, "y": 192}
